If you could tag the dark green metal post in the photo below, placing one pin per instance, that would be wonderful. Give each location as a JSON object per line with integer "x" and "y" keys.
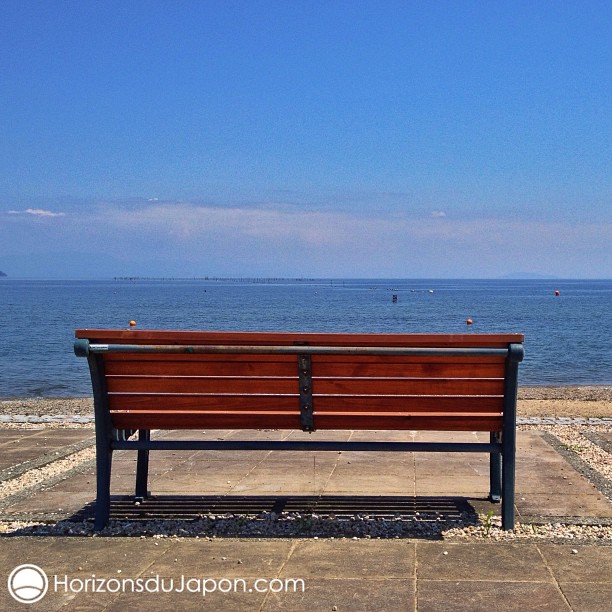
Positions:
{"x": 104, "y": 451}
{"x": 142, "y": 466}
{"x": 515, "y": 356}
{"x": 495, "y": 489}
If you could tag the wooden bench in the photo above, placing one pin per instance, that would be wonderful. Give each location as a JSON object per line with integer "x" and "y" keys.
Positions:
{"x": 145, "y": 380}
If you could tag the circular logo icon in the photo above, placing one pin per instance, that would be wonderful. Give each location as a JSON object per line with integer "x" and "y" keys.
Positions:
{"x": 28, "y": 583}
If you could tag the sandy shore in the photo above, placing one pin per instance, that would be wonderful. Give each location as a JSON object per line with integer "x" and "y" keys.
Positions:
{"x": 593, "y": 401}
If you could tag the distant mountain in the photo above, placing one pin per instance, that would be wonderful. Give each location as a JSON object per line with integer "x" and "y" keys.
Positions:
{"x": 2, "y": 273}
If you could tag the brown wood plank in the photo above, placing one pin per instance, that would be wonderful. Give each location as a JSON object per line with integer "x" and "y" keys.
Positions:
{"x": 404, "y": 386}
{"x": 280, "y": 420}
{"x": 259, "y": 385}
{"x": 196, "y": 384}
{"x": 128, "y": 336}
{"x": 414, "y": 368}
{"x": 221, "y": 366}
{"x": 439, "y": 404}
{"x": 408, "y": 422}
{"x": 197, "y": 420}
{"x": 322, "y": 404}
{"x": 203, "y": 403}
{"x": 323, "y": 365}
{"x": 199, "y": 357}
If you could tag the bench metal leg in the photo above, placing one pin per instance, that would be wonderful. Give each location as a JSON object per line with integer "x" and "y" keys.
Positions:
{"x": 495, "y": 472}
{"x": 142, "y": 467}
{"x": 508, "y": 469}
{"x": 104, "y": 457}
{"x": 515, "y": 356}
{"x": 104, "y": 436}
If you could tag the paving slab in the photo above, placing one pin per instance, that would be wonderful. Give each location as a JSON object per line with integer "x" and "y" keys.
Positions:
{"x": 350, "y": 575}
{"x": 577, "y": 563}
{"x": 37, "y": 446}
{"x": 348, "y": 559}
{"x": 501, "y": 596}
{"x": 348, "y": 594}
{"x": 584, "y": 597}
{"x": 452, "y": 562}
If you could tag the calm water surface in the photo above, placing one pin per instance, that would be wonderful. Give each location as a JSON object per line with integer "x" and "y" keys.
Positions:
{"x": 568, "y": 338}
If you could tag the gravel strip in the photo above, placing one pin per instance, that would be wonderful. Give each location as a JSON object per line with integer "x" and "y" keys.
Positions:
{"x": 302, "y": 525}
{"x": 592, "y": 454}
{"x": 598, "y": 439}
{"x": 35, "y": 419}
{"x": 593, "y": 393}
{"x": 48, "y": 406}
{"x": 44, "y": 477}
{"x": 18, "y": 470}
{"x": 552, "y": 420}
{"x": 584, "y": 456}
{"x": 556, "y": 532}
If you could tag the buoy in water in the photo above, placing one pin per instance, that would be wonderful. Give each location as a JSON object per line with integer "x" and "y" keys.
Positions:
{"x": 468, "y": 321}
{"x": 557, "y": 292}
{"x": 132, "y": 323}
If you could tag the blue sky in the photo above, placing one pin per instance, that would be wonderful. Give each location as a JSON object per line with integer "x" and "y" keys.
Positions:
{"x": 355, "y": 139}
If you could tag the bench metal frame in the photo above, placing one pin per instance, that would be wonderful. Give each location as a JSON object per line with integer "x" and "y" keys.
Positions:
{"x": 501, "y": 447}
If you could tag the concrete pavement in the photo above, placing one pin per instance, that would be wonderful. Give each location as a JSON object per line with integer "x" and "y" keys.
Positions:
{"x": 407, "y": 573}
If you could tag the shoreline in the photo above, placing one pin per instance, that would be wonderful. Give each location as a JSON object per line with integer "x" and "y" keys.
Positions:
{"x": 560, "y": 401}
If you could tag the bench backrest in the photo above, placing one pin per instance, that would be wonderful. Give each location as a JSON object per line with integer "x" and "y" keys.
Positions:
{"x": 255, "y": 380}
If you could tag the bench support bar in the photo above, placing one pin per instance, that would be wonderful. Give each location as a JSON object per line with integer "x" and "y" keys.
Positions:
{"x": 323, "y": 445}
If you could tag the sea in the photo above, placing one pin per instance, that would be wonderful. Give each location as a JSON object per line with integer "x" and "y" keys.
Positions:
{"x": 567, "y": 323}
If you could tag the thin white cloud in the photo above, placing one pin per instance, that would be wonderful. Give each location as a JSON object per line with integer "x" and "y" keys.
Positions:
{"x": 274, "y": 236}
{"x": 186, "y": 222}
{"x": 37, "y": 212}
{"x": 438, "y": 213}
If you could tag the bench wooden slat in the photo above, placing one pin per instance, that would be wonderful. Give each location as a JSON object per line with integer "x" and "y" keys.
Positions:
{"x": 404, "y": 386}
{"x": 345, "y": 386}
{"x": 128, "y": 336}
{"x": 202, "y": 403}
{"x": 145, "y": 366}
{"x": 215, "y": 420}
{"x": 254, "y": 358}
{"x": 198, "y": 384}
{"x": 439, "y": 369}
{"x": 287, "y": 420}
{"x": 412, "y": 403}
{"x": 460, "y": 422}
{"x": 285, "y": 365}
{"x": 323, "y": 403}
